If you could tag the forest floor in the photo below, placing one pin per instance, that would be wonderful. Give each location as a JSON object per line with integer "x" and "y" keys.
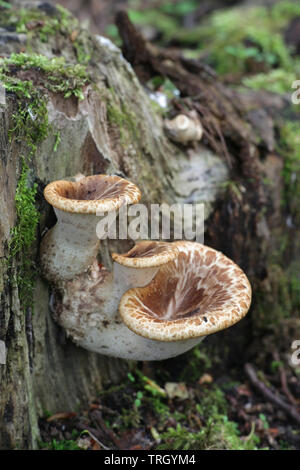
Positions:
{"x": 195, "y": 401}
{"x": 189, "y": 402}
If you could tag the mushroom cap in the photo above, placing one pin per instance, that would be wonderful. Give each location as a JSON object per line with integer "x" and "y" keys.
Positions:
{"x": 91, "y": 194}
{"x": 148, "y": 254}
{"x": 199, "y": 293}
{"x": 184, "y": 128}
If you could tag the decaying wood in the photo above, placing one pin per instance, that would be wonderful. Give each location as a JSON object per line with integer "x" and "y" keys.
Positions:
{"x": 241, "y": 128}
{"x": 113, "y": 130}
{"x": 44, "y": 370}
{"x": 218, "y": 107}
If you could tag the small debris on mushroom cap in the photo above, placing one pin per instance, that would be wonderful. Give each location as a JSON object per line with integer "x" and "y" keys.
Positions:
{"x": 199, "y": 293}
{"x": 91, "y": 194}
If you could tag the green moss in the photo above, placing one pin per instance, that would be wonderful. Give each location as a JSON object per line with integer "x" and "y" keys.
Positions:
{"x": 64, "y": 444}
{"x": 30, "y": 128}
{"x": 227, "y": 31}
{"x": 198, "y": 361}
{"x": 130, "y": 418}
{"x": 42, "y": 26}
{"x": 163, "y": 22}
{"x": 278, "y": 298}
{"x": 218, "y": 432}
{"x": 123, "y": 119}
{"x": 24, "y": 234}
{"x": 4, "y": 4}
{"x": 276, "y": 81}
{"x": 83, "y": 48}
{"x": 167, "y": 16}
{"x": 180, "y": 438}
{"x": 235, "y": 41}
{"x": 112, "y": 32}
{"x": 30, "y": 124}
{"x": 290, "y": 149}
{"x": 57, "y": 141}
{"x": 200, "y": 420}
{"x": 36, "y": 22}
{"x": 60, "y": 77}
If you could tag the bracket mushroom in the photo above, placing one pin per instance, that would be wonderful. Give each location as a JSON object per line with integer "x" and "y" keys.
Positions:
{"x": 161, "y": 298}
{"x": 71, "y": 246}
{"x": 199, "y": 293}
{"x": 88, "y": 307}
{"x": 137, "y": 267}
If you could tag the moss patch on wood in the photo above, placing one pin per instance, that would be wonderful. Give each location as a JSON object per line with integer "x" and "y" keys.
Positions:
{"x": 45, "y": 22}
{"x": 29, "y": 77}
{"x": 24, "y": 234}
{"x": 290, "y": 148}
{"x": 54, "y": 74}
{"x": 42, "y": 21}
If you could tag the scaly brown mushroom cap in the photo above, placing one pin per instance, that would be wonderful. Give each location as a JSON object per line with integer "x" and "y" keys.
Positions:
{"x": 199, "y": 293}
{"x": 92, "y": 194}
{"x": 148, "y": 254}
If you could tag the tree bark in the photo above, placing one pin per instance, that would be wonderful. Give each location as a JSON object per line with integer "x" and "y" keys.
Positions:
{"x": 112, "y": 130}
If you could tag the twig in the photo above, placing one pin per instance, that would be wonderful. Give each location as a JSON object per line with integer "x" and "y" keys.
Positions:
{"x": 96, "y": 440}
{"x": 251, "y": 373}
{"x": 98, "y": 417}
{"x": 283, "y": 380}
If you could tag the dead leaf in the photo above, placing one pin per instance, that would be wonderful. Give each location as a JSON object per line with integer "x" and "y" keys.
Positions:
{"x": 155, "y": 434}
{"x": 34, "y": 24}
{"x": 96, "y": 446}
{"x": 205, "y": 379}
{"x": 273, "y": 431}
{"x": 84, "y": 442}
{"x": 65, "y": 415}
{"x": 94, "y": 406}
{"x": 243, "y": 390}
{"x": 73, "y": 35}
{"x": 150, "y": 384}
{"x": 177, "y": 390}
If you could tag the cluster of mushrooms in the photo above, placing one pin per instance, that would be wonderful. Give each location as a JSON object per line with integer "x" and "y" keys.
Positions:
{"x": 161, "y": 298}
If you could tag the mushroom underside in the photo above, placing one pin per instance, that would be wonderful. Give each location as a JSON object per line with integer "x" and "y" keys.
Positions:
{"x": 148, "y": 249}
{"x": 147, "y": 254}
{"x": 91, "y": 193}
{"x": 92, "y": 188}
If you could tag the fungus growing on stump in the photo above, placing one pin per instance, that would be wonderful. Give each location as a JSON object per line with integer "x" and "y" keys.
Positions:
{"x": 71, "y": 246}
{"x": 184, "y": 129}
{"x": 161, "y": 298}
{"x": 137, "y": 267}
{"x": 197, "y": 294}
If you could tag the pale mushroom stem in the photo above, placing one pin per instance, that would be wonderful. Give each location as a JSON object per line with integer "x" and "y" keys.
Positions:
{"x": 118, "y": 282}
{"x": 70, "y": 247}
{"x": 126, "y": 277}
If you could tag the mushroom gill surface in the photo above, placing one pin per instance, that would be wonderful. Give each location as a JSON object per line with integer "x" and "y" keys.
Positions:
{"x": 147, "y": 254}
{"x": 198, "y": 293}
{"x": 91, "y": 194}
